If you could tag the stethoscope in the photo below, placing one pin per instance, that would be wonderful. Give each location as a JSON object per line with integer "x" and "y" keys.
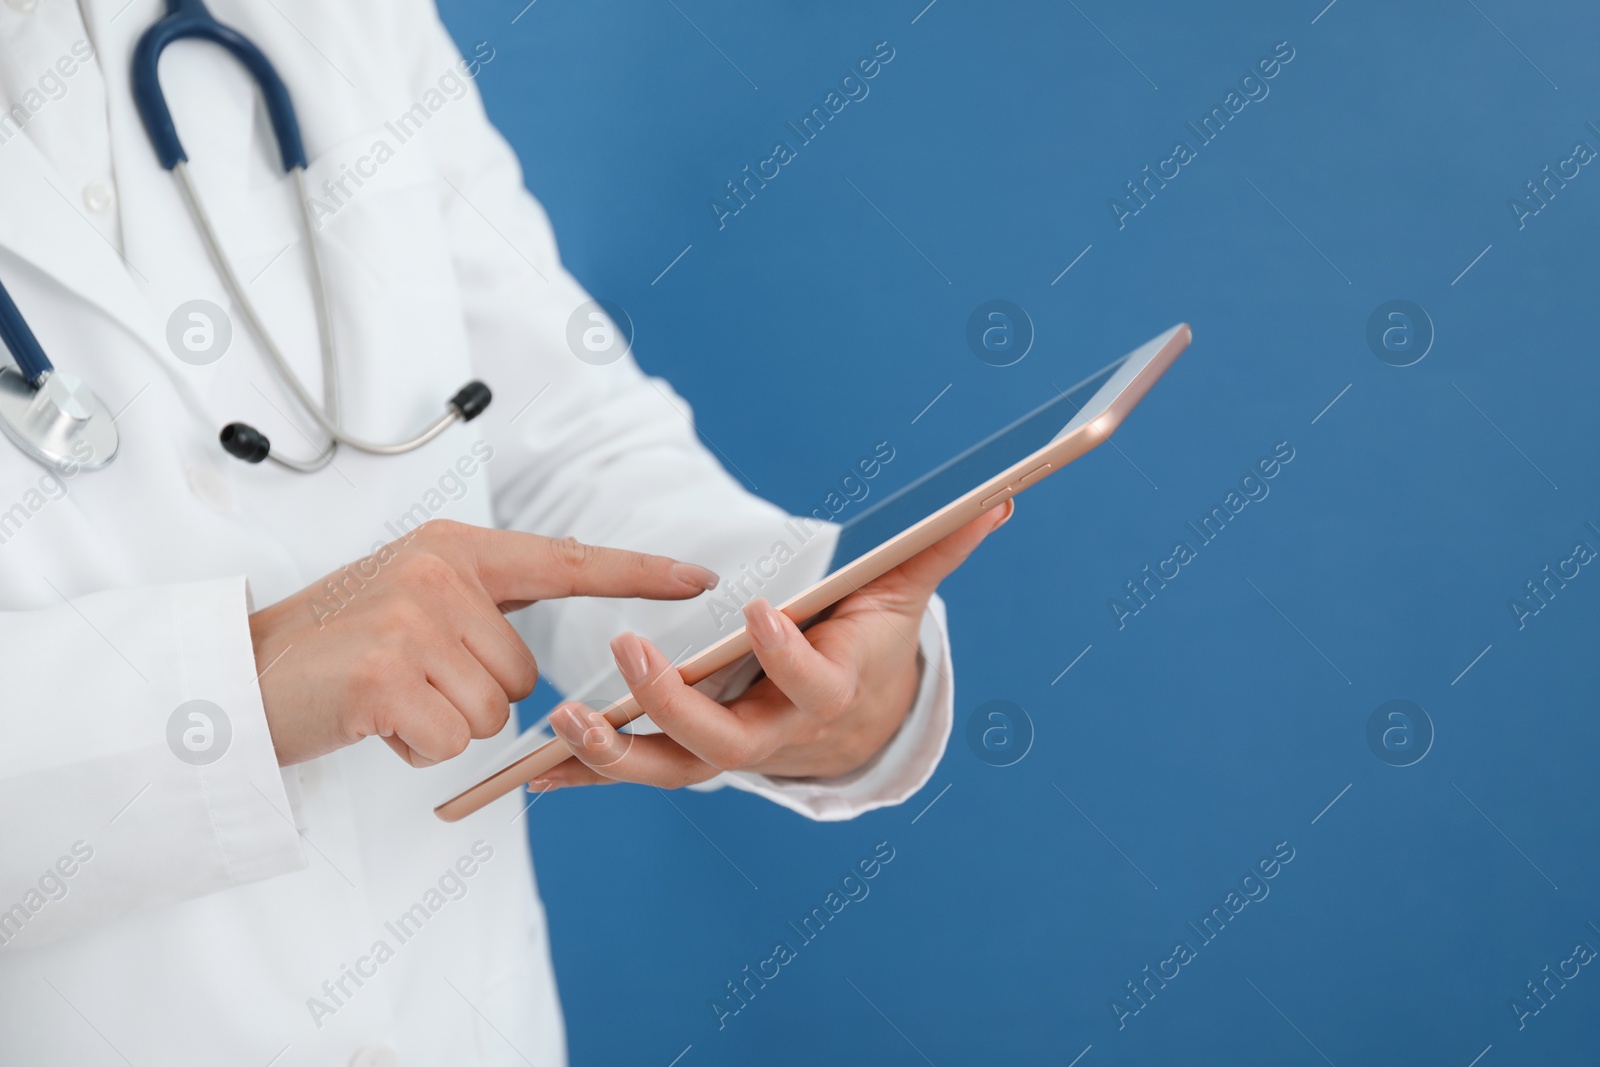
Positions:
{"x": 55, "y": 418}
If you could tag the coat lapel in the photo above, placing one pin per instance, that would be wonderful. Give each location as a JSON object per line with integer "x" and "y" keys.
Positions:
{"x": 44, "y": 226}
{"x": 162, "y": 262}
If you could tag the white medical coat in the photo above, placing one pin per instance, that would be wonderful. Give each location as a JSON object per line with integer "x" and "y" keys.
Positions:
{"x": 154, "y": 911}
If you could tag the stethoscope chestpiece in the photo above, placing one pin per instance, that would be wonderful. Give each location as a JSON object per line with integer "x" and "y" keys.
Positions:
{"x": 57, "y": 420}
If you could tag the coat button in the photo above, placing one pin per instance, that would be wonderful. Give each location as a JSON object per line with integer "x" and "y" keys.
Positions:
{"x": 375, "y": 1056}
{"x": 97, "y": 194}
{"x": 211, "y": 488}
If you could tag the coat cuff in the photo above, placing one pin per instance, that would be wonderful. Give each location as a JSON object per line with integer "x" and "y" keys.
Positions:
{"x": 158, "y": 805}
{"x": 246, "y": 792}
{"x": 901, "y": 767}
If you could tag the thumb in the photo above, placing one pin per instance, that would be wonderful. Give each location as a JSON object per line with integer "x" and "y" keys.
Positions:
{"x": 919, "y": 576}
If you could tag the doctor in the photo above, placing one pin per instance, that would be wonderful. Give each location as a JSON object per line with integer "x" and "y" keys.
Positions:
{"x": 206, "y": 855}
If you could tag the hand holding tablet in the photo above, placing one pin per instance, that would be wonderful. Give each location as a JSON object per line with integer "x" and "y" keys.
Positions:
{"x": 905, "y": 523}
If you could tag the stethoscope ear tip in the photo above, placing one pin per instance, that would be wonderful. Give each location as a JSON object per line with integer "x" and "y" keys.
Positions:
{"x": 245, "y": 441}
{"x": 471, "y": 400}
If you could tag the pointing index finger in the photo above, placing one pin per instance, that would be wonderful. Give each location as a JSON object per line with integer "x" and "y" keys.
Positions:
{"x": 517, "y": 567}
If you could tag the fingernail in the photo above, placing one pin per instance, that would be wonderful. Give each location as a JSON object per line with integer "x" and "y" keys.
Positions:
{"x": 765, "y": 626}
{"x": 599, "y": 733}
{"x": 1007, "y": 509}
{"x": 699, "y": 577}
{"x": 566, "y": 723}
{"x": 628, "y": 651}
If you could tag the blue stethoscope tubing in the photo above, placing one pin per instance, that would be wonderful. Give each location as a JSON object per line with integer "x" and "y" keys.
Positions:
{"x": 190, "y": 19}
{"x": 46, "y": 412}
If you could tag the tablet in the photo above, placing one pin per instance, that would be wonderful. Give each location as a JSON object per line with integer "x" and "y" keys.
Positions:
{"x": 880, "y": 538}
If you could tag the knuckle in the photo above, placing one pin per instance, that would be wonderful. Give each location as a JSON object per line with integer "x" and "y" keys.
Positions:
{"x": 490, "y": 715}
{"x": 620, "y": 745}
{"x": 735, "y": 752}
{"x": 372, "y": 671}
{"x": 525, "y": 677}
{"x": 455, "y": 738}
{"x": 835, "y": 700}
{"x": 423, "y": 537}
{"x": 426, "y": 571}
{"x": 611, "y": 760}
{"x": 665, "y": 703}
{"x": 437, "y": 531}
{"x": 573, "y": 554}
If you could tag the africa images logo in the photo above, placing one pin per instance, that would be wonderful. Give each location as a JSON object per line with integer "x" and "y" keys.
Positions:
{"x": 1253, "y": 88}
{"x": 853, "y": 88}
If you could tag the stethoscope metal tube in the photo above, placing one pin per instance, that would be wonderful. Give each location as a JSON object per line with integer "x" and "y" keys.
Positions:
{"x": 330, "y": 366}
{"x": 191, "y": 19}
{"x": 249, "y": 444}
{"x": 56, "y": 419}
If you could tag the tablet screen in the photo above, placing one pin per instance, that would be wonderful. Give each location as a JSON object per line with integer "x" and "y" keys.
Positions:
{"x": 904, "y": 508}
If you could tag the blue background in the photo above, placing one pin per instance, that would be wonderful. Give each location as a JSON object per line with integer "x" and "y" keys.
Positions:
{"x": 1227, "y": 715}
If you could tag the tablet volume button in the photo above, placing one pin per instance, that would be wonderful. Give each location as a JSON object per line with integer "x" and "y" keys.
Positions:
{"x": 994, "y": 498}
{"x": 1034, "y": 475}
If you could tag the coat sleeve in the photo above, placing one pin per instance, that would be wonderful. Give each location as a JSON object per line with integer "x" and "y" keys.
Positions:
{"x": 114, "y": 797}
{"x": 587, "y": 445}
